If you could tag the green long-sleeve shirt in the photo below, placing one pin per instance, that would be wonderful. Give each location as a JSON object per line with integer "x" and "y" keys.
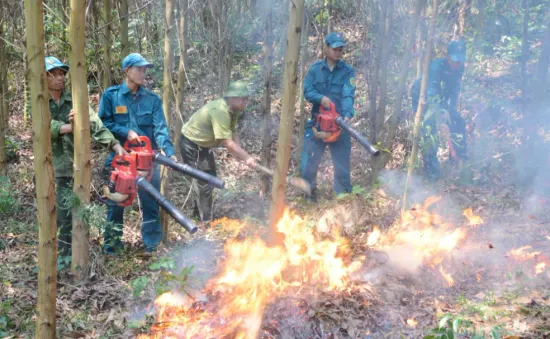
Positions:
{"x": 63, "y": 144}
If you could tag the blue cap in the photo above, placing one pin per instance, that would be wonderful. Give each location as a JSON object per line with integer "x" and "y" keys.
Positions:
{"x": 456, "y": 50}
{"x": 53, "y": 63}
{"x": 135, "y": 59}
{"x": 335, "y": 40}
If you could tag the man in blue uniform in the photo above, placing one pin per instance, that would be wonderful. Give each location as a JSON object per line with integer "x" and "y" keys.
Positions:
{"x": 444, "y": 79}
{"x": 329, "y": 80}
{"x": 130, "y": 110}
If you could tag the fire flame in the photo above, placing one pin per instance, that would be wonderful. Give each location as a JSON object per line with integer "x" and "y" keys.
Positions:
{"x": 473, "y": 219}
{"x": 540, "y": 267}
{"x": 253, "y": 275}
{"x": 411, "y": 322}
{"x": 520, "y": 253}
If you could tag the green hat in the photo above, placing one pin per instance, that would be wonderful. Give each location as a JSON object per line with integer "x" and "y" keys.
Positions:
{"x": 53, "y": 63}
{"x": 456, "y": 50}
{"x": 335, "y": 40}
{"x": 236, "y": 89}
{"x": 135, "y": 59}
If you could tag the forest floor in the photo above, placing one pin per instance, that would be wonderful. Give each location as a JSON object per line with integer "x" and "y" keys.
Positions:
{"x": 499, "y": 287}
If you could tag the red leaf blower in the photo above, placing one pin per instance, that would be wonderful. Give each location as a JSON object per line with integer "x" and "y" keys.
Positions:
{"x": 330, "y": 124}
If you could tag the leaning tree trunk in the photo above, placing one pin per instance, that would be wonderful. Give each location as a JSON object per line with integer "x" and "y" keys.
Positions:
{"x": 124, "y": 42}
{"x": 43, "y": 171}
{"x": 167, "y": 91}
{"x": 394, "y": 119}
{"x": 290, "y": 78}
{"x": 81, "y": 133}
{"x": 183, "y": 8}
{"x": 423, "y": 98}
{"x": 266, "y": 104}
{"x": 3, "y": 101}
{"x": 107, "y": 44}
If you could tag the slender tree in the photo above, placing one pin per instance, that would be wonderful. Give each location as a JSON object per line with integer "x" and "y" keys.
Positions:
{"x": 81, "y": 133}
{"x": 524, "y": 49}
{"x": 43, "y": 171}
{"x": 124, "y": 42}
{"x": 167, "y": 90}
{"x": 183, "y": 9}
{"x": 266, "y": 104}
{"x": 4, "y": 109}
{"x": 423, "y": 96}
{"x": 398, "y": 104}
{"x": 107, "y": 18}
{"x": 384, "y": 59}
{"x": 303, "y": 70}
{"x": 290, "y": 79}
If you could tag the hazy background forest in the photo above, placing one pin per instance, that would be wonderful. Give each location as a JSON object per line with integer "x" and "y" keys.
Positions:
{"x": 499, "y": 269}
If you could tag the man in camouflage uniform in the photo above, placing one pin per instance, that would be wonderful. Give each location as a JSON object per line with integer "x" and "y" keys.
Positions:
{"x": 61, "y": 129}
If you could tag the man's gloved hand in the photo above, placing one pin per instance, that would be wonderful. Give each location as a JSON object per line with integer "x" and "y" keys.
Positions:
{"x": 173, "y": 157}
{"x": 319, "y": 134}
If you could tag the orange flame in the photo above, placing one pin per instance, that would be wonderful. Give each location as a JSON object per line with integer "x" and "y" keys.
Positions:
{"x": 374, "y": 236}
{"x": 411, "y": 322}
{"x": 473, "y": 219}
{"x": 447, "y": 276}
{"x": 520, "y": 253}
{"x": 253, "y": 275}
{"x": 540, "y": 267}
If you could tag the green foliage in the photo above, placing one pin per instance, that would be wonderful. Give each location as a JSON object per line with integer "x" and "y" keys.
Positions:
{"x": 166, "y": 280}
{"x": 9, "y": 205}
{"x": 6, "y": 324}
{"x": 451, "y": 327}
{"x": 63, "y": 262}
{"x": 139, "y": 285}
{"x": 12, "y": 145}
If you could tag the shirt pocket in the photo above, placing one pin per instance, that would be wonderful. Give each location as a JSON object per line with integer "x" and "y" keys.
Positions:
{"x": 121, "y": 118}
{"x": 336, "y": 88}
{"x": 144, "y": 118}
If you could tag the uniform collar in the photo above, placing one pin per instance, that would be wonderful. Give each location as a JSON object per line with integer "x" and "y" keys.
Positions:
{"x": 65, "y": 96}
{"x": 124, "y": 89}
{"x": 339, "y": 64}
{"x": 226, "y": 106}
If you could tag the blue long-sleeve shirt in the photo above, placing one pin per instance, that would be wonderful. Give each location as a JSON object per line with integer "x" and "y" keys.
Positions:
{"x": 122, "y": 111}
{"x": 443, "y": 84}
{"x": 338, "y": 85}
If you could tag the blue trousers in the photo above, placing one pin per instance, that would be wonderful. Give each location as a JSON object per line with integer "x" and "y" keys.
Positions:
{"x": 312, "y": 154}
{"x": 151, "y": 230}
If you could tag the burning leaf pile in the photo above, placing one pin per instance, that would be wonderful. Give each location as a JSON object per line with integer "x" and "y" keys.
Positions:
{"x": 423, "y": 238}
{"x": 254, "y": 274}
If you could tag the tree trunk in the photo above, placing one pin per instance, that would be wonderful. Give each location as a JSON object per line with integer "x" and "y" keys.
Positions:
{"x": 423, "y": 97}
{"x": 329, "y": 16}
{"x": 43, "y": 170}
{"x": 542, "y": 69}
{"x": 305, "y": 66}
{"x": 81, "y": 133}
{"x": 183, "y": 8}
{"x": 394, "y": 119}
{"x": 106, "y": 45}
{"x": 124, "y": 43}
{"x": 481, "y": 4}
{"x": 385, "y": 55}
{"x": 524, "y": 50}
{"x": 290, "y": 78}
{"x": 463, "y": 14}
{"x": 375, "y": 73}
{"x": 167, "y": 91}
{"x": 420, "y": 46}
{"x": 266, "y": 104}
{"x": 4, "y": 106}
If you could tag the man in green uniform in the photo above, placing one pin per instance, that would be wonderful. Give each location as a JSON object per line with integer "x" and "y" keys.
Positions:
{"x": 61, "y": 129}
{"x": 211, "y": 126}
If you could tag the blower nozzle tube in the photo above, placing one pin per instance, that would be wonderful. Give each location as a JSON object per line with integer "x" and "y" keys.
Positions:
{"x": 174, "y": 212}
